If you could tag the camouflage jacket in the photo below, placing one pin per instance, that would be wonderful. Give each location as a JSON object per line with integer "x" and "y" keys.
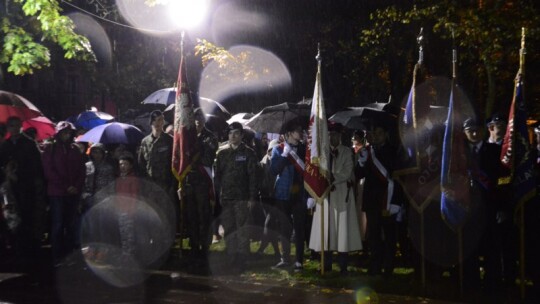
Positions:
{"x": 236, "y": 172}
{"x": 155, "y": 157}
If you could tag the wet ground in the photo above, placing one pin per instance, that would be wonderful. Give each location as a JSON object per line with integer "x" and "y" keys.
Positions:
{"x": 185, "y": 280}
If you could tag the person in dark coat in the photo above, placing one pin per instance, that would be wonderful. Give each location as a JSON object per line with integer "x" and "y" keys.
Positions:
{"x": 482, "y": 158}
{"x": 376, "y": 164}
{"x": 199, "y": 189}
{"x": 499, "y": 243}
{"x": 22, "y": 155}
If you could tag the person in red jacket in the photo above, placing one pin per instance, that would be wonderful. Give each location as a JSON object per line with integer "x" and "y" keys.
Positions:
{"x": 65, "y": 170}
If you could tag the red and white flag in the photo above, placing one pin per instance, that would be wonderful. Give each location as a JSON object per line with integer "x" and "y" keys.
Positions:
{"x": 316, "y": 173}
{"x": 185, "y": 151}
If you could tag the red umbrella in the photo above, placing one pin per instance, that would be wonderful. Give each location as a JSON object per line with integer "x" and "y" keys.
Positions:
{"x": 12, "y": 104}
{"x": 44, "y": 127}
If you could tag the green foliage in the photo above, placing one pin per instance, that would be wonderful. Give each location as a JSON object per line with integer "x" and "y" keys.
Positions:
{"x": 23, "y": 54}
{"x": 232, "y": 67}
{"x": 210, "y": 52}
{"x": 24, "y": 46}
{"x": 487, "y": 39}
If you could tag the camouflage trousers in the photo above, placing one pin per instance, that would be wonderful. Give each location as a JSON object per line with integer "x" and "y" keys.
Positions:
{"x": 234, "y": 218}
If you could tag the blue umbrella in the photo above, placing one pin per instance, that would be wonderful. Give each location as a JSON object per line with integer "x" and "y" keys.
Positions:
{"x": 90, "y": 119}
{"x": 113, "y": 133}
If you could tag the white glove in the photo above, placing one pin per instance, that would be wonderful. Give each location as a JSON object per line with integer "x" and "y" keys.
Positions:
{"x": 394, "y": 209}
{"x": 286, "y": 150}
{"x": 363, "y": 157}
{"x": 310, "y": 203}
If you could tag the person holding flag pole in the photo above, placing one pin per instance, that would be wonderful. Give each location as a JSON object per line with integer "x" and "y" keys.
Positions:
{"x": 185, "y": 145}
{"x": 517, "y": 157}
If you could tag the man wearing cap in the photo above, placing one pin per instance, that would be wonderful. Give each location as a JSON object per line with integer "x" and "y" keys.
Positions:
{"x": 199, "y": 188}
{"x": 20, "y": 156}
{"x": 286, "y": 163}
{"x": 376, "y": 163}
{"x": 501, "y": 234}
{"x": 236, "y": 177}
{"x": 486, "y": 208}
{"x": 65, "y": 170}
{"x": 155, "y": 154}
{"x": 497, "y": 127}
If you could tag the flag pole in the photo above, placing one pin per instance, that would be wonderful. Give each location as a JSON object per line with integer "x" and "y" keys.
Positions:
{"x": 420, "y": 40}
{"x": 179, "y": 191}
{"x": 460, "y": 231}
{"x": 522, "y": 53}
{"x": 319, "y": 60}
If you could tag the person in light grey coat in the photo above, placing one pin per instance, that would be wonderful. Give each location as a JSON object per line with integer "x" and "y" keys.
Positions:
{"x": 341, "y": 229}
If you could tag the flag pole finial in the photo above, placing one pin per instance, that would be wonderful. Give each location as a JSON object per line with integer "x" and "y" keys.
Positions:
{"x": 454, "y": 54}
{"x": 182, "y": 35}
{"x": 318, "y": 57}
{"x": 420, "y": 40}
{"x": 522, "y": 52}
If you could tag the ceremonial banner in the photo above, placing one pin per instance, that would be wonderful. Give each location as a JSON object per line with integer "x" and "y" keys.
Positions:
{"x": 516, "y": 150}
{"x": 419, "y": 177}
{"x": 316, "y": 171}
{"x": 455, "y": 195}
{"x": 185, "y": 150}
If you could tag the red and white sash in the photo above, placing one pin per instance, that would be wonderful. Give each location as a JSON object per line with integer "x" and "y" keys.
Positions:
{"x": 298, "y": 163}
{"x": 383, "y": 175}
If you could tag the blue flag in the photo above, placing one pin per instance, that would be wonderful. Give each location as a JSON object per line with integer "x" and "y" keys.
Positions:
{"x": 455, "y": 181}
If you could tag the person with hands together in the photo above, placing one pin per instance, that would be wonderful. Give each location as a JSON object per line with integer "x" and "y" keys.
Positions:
{"x": 65, "y": 171}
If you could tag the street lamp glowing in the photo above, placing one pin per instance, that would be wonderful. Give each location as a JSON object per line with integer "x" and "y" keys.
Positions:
{"x": 187, "y": 13}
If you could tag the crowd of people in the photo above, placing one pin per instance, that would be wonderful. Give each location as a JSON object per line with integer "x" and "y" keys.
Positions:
{"x": 50, "y": 190}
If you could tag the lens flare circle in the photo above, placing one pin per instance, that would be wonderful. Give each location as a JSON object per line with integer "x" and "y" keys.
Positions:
{"x": 366, "y": 295}
{"x": 253, "y": 70}
{"x": 122, "y": 236}
{"x": 99, "y": 40}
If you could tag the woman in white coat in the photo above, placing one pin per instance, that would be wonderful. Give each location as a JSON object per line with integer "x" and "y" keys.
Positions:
{"x": 342, "y": 233}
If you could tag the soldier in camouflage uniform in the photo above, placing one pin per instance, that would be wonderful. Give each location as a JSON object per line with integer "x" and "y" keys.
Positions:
{"x": 155, "y": 154}
{"x": 155, "y": 158}
{"x": 236, "y": 175}
{"x": 199, "y": 189}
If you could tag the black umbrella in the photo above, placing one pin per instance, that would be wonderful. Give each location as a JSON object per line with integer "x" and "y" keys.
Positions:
{"x": 209, "y": 106}
{"x": 275, "y": 119}
{"x": 216, "y": 124}
{"x": 362, "y": 118}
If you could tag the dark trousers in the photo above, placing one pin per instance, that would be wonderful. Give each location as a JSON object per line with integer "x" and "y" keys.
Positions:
{"x": 64, "y": 225}
{"x": 292, "y": 215}
{"x": 269, "y": 226}
{"x": 343, "y": 260}
{"x": 381, "y": 235}
{"x": 199, "y": 215}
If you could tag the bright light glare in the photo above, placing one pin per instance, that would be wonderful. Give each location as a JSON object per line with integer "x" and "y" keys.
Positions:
{"x": 187, "y": 13}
